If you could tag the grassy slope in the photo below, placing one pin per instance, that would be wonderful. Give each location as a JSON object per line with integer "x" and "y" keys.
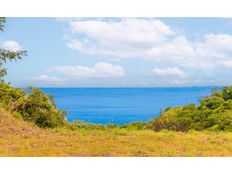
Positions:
{"x": 18, "y": 138}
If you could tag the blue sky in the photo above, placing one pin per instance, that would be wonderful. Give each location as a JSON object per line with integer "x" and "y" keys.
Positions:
{"x": 119, "y": 52}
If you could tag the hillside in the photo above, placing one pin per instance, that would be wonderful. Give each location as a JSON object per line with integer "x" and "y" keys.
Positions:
{"x": 19, "y": 138}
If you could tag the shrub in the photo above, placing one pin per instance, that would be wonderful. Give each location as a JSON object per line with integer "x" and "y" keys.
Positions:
{"x": 212, "y": 102}
{"x": 227, "y": 93}
{"x": 9, "y": 96}
{"x": 213, "y": 113}
{"x": 165, "y": 121}
{"x": 40, "y": 109}
{"x": 35, "y": 107}
{"x": 224, "y": 121}
{"x": 135, "y": 126}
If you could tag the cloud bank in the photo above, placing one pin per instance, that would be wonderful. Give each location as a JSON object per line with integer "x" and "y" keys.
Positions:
{"x": 47, "y": 80}
{"x": 99, "y": 70}
{"x": 150, "y": 39}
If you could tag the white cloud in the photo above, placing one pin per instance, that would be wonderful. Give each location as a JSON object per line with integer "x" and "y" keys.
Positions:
{"x": 48, "y": 80}
{"x": 169, "y": 72}
{"x": 100, "y": 70}
{"x": 11, "y": 45}
{"x": 127, "y": 31}
{"x": 148, "y": 39}
{"x": 118, "y": 38}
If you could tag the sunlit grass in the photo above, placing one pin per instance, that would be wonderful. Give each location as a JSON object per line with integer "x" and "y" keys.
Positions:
{"x": 18, "y": 138}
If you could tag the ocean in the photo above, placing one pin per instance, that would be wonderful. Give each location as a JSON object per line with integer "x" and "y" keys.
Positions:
{"x": 122, "y": 105}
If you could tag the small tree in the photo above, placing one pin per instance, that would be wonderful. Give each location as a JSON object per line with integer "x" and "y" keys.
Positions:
{"x": 7, "y": 55}
{"x": 37, "y": 106}
{"x": 40, "y": 108}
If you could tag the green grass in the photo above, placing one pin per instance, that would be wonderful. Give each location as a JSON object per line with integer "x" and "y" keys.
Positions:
{"x": 18, "y": 138}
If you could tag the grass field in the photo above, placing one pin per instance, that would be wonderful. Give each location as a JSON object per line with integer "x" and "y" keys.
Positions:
{"x": 18, "y": 138}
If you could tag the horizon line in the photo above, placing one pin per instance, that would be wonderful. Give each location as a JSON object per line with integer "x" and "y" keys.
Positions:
{"x": 195, "y": 86}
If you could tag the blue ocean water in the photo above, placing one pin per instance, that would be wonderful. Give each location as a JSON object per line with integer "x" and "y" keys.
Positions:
{"x": 122, "y": 105}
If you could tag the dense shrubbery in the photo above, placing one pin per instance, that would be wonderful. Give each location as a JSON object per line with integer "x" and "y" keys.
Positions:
{"x": 35, "y": 107}
{"x": 10, "y": 96}
{"x": 213, "y": 113}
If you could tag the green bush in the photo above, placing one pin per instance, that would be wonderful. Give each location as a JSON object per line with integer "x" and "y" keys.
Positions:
{"x": 227, "y": 93}
{"x": 10, "y": 96}
{"x": 40, "y": 109}
{"x": 213, "y": 113}
{"x": 35, "y": 107}
{"x": 212, "y": 102}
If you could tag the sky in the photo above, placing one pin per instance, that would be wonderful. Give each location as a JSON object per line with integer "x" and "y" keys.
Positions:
{"x": 119, "y": 52}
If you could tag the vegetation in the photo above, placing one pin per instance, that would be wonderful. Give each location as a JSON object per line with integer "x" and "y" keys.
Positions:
{"x": 203, "y": 130}
{"x": 7, "y": 55}
{"x": 213, "y": 113}
{"x": 19, "y": 138}
{"x": 36, "y": 107}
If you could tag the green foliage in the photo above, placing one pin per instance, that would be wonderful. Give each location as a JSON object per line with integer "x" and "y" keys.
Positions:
{"x": 17, "y": 115}
{"x": 8, "y": 55}
{"x": 213, "y": 113}
{"x": 35, "y": 107}
{"x": 227, "y": 93}
{"x": 88, "y": 126}
{"x": 135, "y": 126}
{"x": 9, "y": 96}
{"x": 41, "y": 109}
{"x": 212, "y": 102}
{"x": 167, "y": 120}
{"x": 2, "y": 22}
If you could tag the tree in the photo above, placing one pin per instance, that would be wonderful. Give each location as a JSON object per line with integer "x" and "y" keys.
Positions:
{"x": 7, "y": 55}
{"x": 2, "y": 22}
{"x": 35, "y": 106}
{"x": 40, "y": 108}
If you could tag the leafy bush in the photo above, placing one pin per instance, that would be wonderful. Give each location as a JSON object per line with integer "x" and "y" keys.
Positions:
{"x": 10, "y": 96}
{"x": 213, "y": 113}
{"x": 227, "y": 93}
{"x": 35, "y": 107}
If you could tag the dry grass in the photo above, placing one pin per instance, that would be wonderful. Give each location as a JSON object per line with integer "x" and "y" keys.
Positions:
{"x": 18, "y": 138}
